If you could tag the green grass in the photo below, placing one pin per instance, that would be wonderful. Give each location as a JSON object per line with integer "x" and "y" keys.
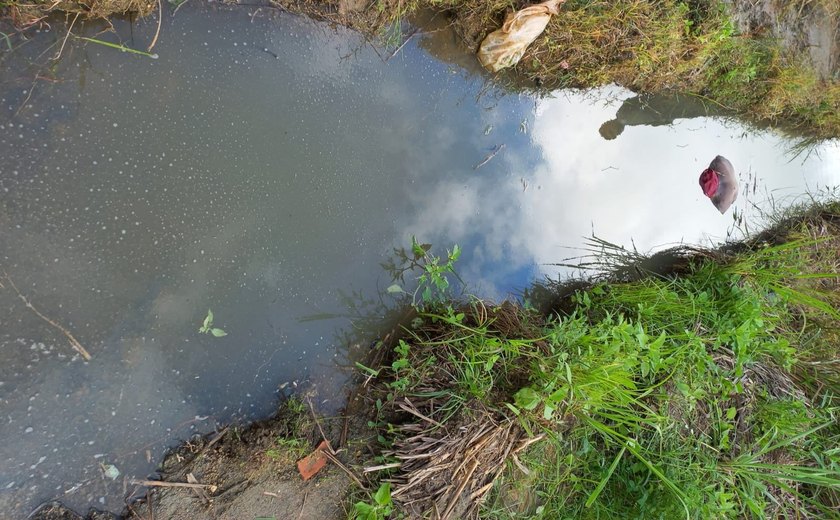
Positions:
{"x": 293, "y": 449}
{"x": 293, "y": 427}
{"x": 711, "y": 394}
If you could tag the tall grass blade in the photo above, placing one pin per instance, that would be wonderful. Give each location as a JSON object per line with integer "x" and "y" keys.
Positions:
{"x": 119, "y": 47}
{"x": 600, "y": 487}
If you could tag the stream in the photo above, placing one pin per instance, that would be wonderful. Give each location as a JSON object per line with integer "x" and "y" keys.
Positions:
{"x": 264, "y": 166}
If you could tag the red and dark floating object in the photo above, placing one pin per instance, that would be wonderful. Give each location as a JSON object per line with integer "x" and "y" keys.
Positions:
{"x": 719, "y": 183}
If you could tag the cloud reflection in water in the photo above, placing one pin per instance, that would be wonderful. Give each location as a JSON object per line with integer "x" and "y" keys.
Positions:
{"x": 640, "y": 189}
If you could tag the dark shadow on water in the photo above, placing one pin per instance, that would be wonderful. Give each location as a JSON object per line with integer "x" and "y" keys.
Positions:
{"x": 657, "y": 110}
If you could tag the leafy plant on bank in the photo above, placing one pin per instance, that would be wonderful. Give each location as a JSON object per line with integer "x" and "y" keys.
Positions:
{"x": 379, "y": 507}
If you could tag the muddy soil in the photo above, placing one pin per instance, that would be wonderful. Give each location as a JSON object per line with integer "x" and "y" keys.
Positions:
{"x": 250, "y": 472}
{"x": 56, "y": 511}
{"x": 255, "y": 474}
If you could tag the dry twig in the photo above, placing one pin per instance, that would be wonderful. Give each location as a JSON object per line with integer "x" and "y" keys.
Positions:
{"x": 69, "y": 31}
{"x": 338, "y": 463}
{"x": 398, "y": 49}
{"x": 300, "y": 515}
{"x": 447, "y": 472}
{"x": 161, "y": 483}
{"x": 200, "y": 490}
{"x": 179, "y": 6}
{"x": 157, "y": 32}
{"x": 73, "y": 341}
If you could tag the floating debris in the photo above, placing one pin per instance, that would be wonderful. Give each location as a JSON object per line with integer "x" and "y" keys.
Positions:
{"x": 110, "y": 471}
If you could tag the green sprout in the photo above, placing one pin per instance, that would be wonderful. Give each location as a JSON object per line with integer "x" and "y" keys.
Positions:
{"x": 207, "y": 327}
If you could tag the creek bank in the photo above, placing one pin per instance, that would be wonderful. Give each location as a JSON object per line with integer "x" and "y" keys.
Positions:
{"x": 57, "y": 511}
{"x": 810, "y": 30}
{"x": 692, "y": 391}
{"x": 254, "y": 472}
{"x": 249, "y": 471}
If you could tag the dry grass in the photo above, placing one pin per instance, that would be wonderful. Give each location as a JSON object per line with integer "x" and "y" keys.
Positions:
{"x": 27, "y": 13}
{"x": 447, "y": 470}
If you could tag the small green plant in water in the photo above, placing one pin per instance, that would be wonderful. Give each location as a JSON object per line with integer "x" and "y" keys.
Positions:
{"x": 433, "y": 282}
{"x": 380, "y": 508}
{"x": 207, "y": 326}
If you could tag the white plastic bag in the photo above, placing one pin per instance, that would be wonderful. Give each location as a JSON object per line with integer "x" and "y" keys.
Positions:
{"x": 505, "y": 47}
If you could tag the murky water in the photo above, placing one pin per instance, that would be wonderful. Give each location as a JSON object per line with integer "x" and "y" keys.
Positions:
{"x": 138, "y": 193}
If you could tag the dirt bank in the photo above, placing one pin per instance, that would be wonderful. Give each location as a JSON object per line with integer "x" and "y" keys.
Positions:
{"x": 248, "y": 472}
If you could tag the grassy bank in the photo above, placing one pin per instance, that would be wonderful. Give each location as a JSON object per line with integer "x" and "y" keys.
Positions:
{"x": 655, "y": 46}
{"x": 711, "y": 392}
{"x": 646, "y": 45}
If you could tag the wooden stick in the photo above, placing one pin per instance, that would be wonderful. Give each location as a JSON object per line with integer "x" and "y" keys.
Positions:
{"x": 150, "y": 505}
{"x": 184, "y": 2}
{"x": 133, "y": 512}
{"x": 459, "y": 490}
{"x": 392, "y": 465}
{"x": 216, "y": 439}
{"x": 484, "y": 489}
{"x": 318, "y": 424}
{"x": 303, "y": 505}
{"x": 29, "y": 95}
{"x": 528, "y": 442}
{"x": 160, "y": 483}
{"x": 410, "y": 408}
{"x": 198, "y": 491}
{"x": 73, "y": 341}
{"x": 338, "y": 463}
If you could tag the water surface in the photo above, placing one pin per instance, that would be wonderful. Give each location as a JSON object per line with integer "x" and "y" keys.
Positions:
{"x": 264, "y": 167}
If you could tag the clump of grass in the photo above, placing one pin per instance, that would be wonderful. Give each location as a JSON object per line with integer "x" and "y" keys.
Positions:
{"x": 286, "y": 448}
{"x": 293, "y": 426}
{"x": 708, "y": 394}
{"x": 28, "y": 13}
